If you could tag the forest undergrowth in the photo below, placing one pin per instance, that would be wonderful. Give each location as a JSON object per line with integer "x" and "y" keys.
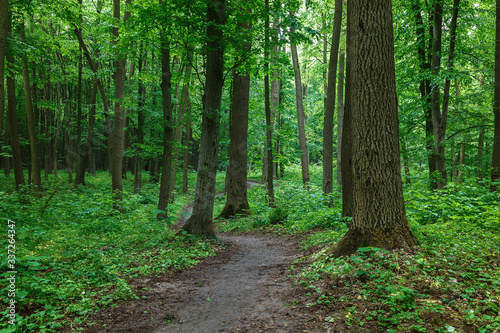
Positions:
{"x": 450, "y": 283}
{"x": 74, "y": 254}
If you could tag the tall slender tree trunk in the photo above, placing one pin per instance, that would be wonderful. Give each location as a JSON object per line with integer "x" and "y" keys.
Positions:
{"x": 304, "y": 157}
{"x": 340, "y": 115}
{"x": 330, "y": 102}
{"x": 325, "y": 59}
{"x": 119, "y": 111}
{"x": 424, "y": 51}
{"x": 95, "y": 68}
{"x": 141, "y": 118}
{"x": 58, "y": 125}
{"x": 495, "y": 162}
{"x": 480, "y": 148}
{"x": 379, "y": 217}
{"x": 435, "y": 102}
{"x": 439, "y": 117}
{"x": 187, "y": 153}
{"x": 87, "y": 149}
{"x": 268, "y": 165}
{"x": 200, "y": 223}
{"x": 12, "y": 114}
{"x": 168, "y": 131}
{"x": 275, "y": 93}
{"x": 461, "y": 163}
{"x": 47, "y": 132}
{"x": 454, "y": 169}
{"x": 237, "y": 201}
{"x": 4, "y": 16}
{"x": 179, "y": 124}
{"x": 32, "y": 132}
{"x": 68, "y": 134}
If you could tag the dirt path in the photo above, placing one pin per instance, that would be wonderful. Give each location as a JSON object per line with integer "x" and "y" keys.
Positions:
{"x": 244, "y": 289}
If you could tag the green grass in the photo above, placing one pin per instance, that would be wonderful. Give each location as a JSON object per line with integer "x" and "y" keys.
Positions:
{"x": 75, "y": 254}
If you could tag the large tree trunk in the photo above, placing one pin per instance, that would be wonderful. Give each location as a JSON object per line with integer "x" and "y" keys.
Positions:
{"x": 12, "y": 116}
{"x": 495, "y": 162}
{"x": 379, "y": 218}
{"x": 330, "y": 102}
{"x": 200, "y": 223}
{"x": 304, "y": 157}
{"x": 237, "y": 201}
{"x": 32, "y": 133}
{"x": 119, "y": 112}
{"x": 340, "y": 115}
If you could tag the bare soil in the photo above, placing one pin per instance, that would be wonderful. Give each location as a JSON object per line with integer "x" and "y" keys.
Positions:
{"x": 247, "y": 287}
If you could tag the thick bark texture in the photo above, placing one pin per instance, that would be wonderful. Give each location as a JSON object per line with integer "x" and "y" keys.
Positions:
{"x": 32, "y": 133}
{"x": 330, "y": 102}
{"x": 495, "y": 162}
{"x": 200, "y": 223}
{"x": 346, "y": 148}
{"x": 304, "y": 156}
{"x": 379, "y": 217}
{"x": 237, "y": 201}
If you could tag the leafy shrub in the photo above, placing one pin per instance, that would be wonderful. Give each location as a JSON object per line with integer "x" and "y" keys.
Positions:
{"x": 278, "y": 215}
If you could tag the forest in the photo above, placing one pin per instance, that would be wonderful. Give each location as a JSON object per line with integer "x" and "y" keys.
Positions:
{"x": 340, "y": 158}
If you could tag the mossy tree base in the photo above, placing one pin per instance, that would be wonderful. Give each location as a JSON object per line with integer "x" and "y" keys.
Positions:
{"x": 199, "y": 227}
{"x": 400, "y": 237}
{"x": 231, "y": 210}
